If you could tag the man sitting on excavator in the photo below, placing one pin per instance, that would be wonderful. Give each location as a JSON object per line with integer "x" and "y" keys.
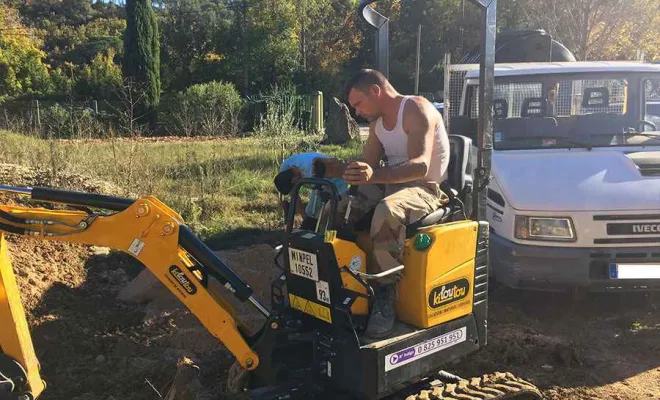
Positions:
{"x": 410, "y": 133}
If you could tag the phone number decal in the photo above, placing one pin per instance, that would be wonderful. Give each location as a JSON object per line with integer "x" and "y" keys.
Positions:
{"x": 412, "y": 353}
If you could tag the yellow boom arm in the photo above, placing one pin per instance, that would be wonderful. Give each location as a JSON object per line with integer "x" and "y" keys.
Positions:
{"x": 146, "y": 229}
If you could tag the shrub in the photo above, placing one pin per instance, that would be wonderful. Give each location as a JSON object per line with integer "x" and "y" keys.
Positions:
{"x": 206, "y": 109}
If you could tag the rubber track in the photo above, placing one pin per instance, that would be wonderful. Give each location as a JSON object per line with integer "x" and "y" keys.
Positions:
{"x": 497, "y": 386}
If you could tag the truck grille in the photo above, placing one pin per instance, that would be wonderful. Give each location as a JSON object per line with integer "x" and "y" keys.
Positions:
{"x": 630, "y": 229}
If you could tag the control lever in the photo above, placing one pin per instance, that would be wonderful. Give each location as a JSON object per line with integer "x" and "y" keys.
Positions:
{"x": 352, "y": 191}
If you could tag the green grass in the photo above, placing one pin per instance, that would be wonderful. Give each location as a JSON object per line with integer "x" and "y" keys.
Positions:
{"x": 222, "y": 188}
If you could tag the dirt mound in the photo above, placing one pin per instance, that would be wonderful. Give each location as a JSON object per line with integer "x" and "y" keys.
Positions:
{"x": 92, "y": 345}
{"x": 17, "y": 175}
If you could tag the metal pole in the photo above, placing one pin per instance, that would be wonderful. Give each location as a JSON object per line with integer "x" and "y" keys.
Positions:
{"x": 485, "y": 122}
{"x": 38, "y": 115}
{"x": 419, "y": 39}
{"x": 446, "y": 92}
{"x": 382, "y": 24}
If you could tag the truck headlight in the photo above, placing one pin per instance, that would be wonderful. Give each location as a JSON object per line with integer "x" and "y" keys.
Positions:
{"x": 544, "y": 228}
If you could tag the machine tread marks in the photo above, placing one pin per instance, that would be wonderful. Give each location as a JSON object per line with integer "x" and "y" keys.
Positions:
{"x": 497, "y": 386}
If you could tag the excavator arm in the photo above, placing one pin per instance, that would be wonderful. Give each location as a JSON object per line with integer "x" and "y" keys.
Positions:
{"x": 146, "y": 229}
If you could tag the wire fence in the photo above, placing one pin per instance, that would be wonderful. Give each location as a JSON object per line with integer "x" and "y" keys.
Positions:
{"x": 98, "y": 118}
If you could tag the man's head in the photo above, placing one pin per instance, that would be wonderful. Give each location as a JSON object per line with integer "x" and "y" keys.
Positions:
{"x": 287, "y": 179}
{"x": 366, "y": 91}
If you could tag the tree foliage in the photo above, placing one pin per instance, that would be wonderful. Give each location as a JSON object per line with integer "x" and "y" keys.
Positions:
{"x": 142, "y": 53}
{"x": 195, "y": 41}
{"x": 78, "y": 46}
{"x": 597, "y": 29}
{"x": 101, "y": 78}
{"x": 22, "y": 69}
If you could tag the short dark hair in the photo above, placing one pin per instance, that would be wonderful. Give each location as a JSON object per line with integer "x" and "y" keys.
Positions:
{"x": 363, "y": 78}
{"x": 283, "y": 181}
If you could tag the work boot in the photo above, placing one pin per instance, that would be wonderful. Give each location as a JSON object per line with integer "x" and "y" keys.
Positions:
{"x": 381, "y": 321}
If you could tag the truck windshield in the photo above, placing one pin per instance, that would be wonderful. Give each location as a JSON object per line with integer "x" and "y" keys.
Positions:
{"x": 549, "y": 111}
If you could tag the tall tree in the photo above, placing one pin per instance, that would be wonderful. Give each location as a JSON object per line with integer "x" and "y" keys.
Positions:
{"x": 142, "y": 55}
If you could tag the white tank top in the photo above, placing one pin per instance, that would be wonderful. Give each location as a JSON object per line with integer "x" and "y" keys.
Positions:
{"x": 395, "y": 145}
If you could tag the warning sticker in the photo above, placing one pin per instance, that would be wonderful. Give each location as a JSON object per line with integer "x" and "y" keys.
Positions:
{"x": 136, "y": 247}
{"x": 421, "y": 350}
{"x": 310, "y": 308}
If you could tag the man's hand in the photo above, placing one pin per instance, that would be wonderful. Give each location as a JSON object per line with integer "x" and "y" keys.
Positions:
{"x": 358, "y": 173}
{"x": 331, "y": 167}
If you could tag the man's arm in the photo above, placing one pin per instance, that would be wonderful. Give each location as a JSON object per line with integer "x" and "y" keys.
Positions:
{"x": 418, "y": 125}
{"x": 372, "y": 152}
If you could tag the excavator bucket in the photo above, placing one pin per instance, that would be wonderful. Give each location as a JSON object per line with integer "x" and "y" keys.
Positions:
{"x": 19, "y": 367}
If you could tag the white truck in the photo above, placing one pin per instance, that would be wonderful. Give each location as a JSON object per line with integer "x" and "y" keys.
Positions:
{"x": 574, "y": 195}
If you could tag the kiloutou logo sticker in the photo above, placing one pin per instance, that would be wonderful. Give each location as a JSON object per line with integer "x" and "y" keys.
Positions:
{"x": 448, "y": 293}
{"x": 182, "y": 279}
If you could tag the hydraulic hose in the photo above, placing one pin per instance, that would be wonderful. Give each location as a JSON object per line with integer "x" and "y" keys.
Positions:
{"x": 12, "y": 218}
{"x": 81, "y": 199}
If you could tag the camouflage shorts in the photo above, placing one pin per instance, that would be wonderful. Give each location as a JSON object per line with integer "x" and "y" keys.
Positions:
{"x": 396, "y": 206}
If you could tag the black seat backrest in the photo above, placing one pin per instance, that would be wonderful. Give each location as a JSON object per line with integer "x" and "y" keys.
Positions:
{"x": 461, "y": 159}
{"x": 598, "y": 98}
{"x": 459, "y": 171}
{"x": 534, "y": 107}
{"x": 464, "y": 125}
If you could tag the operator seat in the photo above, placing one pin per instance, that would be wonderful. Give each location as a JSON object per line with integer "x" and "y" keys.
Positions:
{"x": 458, "y": 186}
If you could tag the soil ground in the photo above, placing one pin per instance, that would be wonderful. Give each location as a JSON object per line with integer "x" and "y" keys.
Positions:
{"x": 94, "y": 347}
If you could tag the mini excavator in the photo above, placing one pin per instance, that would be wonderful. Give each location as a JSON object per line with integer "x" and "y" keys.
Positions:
{"x": 312, "y": 343}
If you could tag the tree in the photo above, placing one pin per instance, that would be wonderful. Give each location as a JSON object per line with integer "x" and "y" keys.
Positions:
{"x": 640, "y": 32}
{"x": 195, "y": 35}
{"x": 22, "y": 70}
{"x": 328, "y": 39}
{"x": 101, "y": 78}
{"x": 142, "y": 54}
{"x": 440, "y": 33}
{"x": 590, "y": 27}
{"x": 263, "y": 48}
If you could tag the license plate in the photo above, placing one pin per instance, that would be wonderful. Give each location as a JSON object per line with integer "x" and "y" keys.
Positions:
{"x": 635, "y": 271}
{"x": 303, "y": 264}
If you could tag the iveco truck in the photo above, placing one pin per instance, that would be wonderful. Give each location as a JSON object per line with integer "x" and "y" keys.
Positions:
{"x": 574, "y": 194}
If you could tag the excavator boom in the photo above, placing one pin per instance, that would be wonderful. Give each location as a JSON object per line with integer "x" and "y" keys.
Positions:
{"x": 146, "y": 229}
